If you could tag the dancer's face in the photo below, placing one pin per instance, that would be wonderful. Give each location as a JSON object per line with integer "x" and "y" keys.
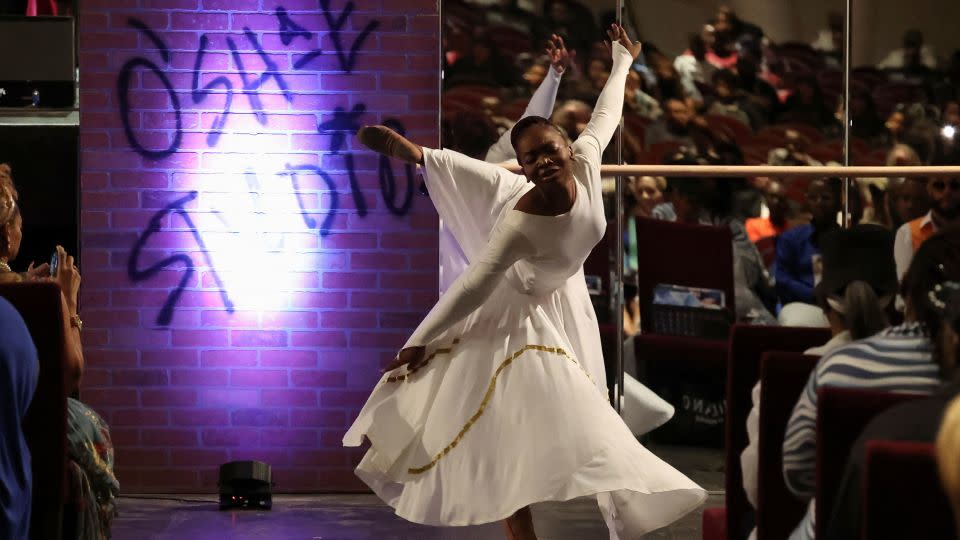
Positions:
{"x": 544, "y": 154}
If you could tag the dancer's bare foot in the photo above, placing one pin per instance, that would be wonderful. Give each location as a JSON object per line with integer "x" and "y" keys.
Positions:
{"x": 388, "y": 142}
{"x": 519, "y": 526}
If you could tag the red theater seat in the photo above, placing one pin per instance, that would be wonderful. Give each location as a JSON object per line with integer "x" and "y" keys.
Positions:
{"x": 658, "y": 152}
{"x": 510, "y": 41}
{"x": 842, "y": 413}
{"x": 680, "y": 254}
{"x": 887, "y": 95}
{"x": 903, "y": 497}
{"x": 45, "y": 426}
{"x": 783, "y": 376}
{"x": 731, "y": 128}
{"x": 714, "y": 523}
{"x": 747, "y": 346}
{"x": 675, "y": 253}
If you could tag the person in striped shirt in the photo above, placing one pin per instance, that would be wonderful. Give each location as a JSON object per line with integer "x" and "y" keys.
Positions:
{"x": 898, "y": 359}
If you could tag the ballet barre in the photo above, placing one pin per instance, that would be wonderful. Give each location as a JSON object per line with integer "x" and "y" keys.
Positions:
{"x": 735, "y": 171}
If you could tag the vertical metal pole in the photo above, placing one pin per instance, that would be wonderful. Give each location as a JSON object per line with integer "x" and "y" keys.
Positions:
{"x": 440, "y": 58}
{"x": 847, "y": 56}
{"x": 617, "y": 286}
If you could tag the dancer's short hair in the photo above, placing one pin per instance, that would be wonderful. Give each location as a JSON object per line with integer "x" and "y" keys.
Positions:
{"x": 527, "y": 122}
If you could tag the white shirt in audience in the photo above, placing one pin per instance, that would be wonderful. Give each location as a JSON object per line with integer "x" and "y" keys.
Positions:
{"x": 897, "y": 59}
{"x": 903, "y": 244}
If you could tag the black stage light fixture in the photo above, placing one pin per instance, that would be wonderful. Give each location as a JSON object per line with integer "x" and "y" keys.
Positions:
{"x": 245, "y": 484}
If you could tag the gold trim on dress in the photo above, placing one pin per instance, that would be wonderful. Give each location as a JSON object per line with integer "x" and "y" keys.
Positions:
{"x": 486, "y": 399}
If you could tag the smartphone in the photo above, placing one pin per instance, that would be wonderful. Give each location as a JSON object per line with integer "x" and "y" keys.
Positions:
{"x": 54, "y": 264}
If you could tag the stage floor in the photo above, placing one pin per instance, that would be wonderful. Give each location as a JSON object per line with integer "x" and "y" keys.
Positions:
{"x": 356, "y": 517}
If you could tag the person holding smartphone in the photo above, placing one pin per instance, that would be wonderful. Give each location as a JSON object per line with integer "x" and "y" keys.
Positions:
{"x": 93, "y": 487}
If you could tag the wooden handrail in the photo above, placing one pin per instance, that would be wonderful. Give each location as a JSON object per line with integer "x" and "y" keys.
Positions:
{"x": 767, "y": 170}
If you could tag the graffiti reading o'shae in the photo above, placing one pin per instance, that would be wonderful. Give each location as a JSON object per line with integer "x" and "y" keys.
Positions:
{"x": 339, "y": 126}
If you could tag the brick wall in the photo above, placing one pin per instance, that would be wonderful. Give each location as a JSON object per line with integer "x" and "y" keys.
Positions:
{"x": 246, "y": 266}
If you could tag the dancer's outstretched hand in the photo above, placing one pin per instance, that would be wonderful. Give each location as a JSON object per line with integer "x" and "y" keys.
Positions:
{"x": 560, "y": 57}
{"x": 412, "y": 357}
{"x": 617, "y": 33}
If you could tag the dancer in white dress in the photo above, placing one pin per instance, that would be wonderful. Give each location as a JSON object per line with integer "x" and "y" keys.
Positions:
{"x": 494, "y": 409}
{"x": 643, "y": 410}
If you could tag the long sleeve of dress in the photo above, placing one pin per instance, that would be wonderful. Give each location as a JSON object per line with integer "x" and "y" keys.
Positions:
{"x": 541, "y": 104}
{"x": 606, "y": 114}
{"x": 507, "y": 245}
{"x": 469, "y": 194}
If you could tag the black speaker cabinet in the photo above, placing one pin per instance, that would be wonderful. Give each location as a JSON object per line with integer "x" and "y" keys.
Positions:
{"x": 37, "y": 62}
{"x": 245, "y": 485}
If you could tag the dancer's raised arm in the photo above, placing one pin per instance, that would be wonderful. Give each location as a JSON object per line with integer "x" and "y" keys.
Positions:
{"x": 507, "y": 245}
{"x": 541, "y": 104}
{"x": 606, "y": 114}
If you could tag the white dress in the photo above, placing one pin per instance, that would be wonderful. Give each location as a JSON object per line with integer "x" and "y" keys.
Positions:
{"x": 643, "y": 410}
{"x": 505, "y": 413}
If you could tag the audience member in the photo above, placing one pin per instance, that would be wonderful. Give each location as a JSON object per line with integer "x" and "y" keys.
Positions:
{"x": 762, "y": 95}
{"x": 573, "y": 116}
{"x": 798, "y": 267}
{"x": 483, "y": 65}
{"x": 708, "y": 201}
{"x": 648, "y": 192}
{"x": 908, "y": 201}
{"x": 793, "y": 152}
{"x": 571, "y": 20}
{"x": 93, "y": 486}
{"x": 864, "y": 122}
{"x": 777, "y": 220}
{"x": 509, "y": 13}
{"x": 469, "y": 132}
{"x": 944, "y": 194}
{"x": 894, "y": 129}
{"x": 806, "y": 105}
{"x": 19, "y": 370}
{"x": 898, "y": 359}
{"x": 642, "y": 196}
{"x": 859, "y": 281}
{"x": 916, "y": 421}
{"x": 882, "y": 203}
{"x": 951, "y": 114}
{"x": 668, "y": 84}
{"x": 731, "y": 101}
{"x": 693, "y": 66}
{"x": 733, "y": 33}
{"x": 673, "y": 126}
{"x": 830, "y": 39}
{"x": 912, "y": 56}
{"x": 598, "y": 71}
{"x": 637, "y": 100}
{"x": 535, "y": 73}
